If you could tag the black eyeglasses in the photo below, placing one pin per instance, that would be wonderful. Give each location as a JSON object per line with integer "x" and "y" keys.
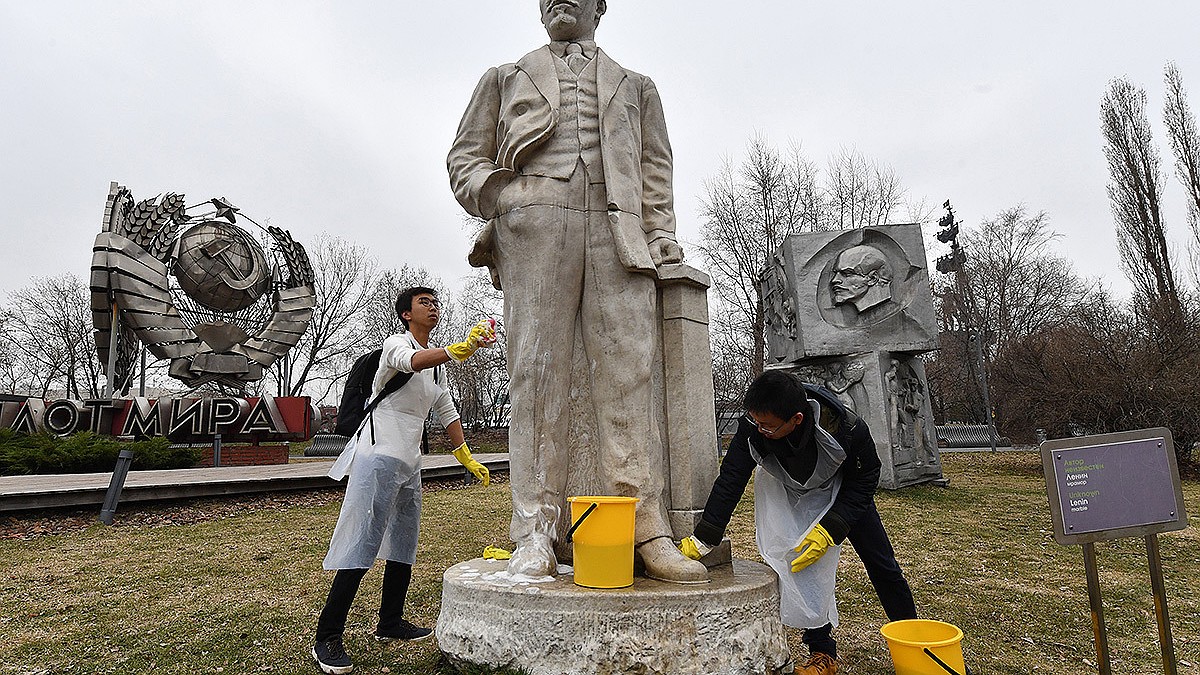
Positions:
{"x": 765, "y": 431}
{"x": 432, "y": 303}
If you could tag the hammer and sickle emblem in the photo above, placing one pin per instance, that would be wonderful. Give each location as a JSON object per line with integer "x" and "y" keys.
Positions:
{"x": 232, "y": 277}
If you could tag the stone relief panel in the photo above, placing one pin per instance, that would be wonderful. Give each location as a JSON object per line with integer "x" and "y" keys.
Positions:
{"x": 851, "y": 291}
{"x": 779, "y": 306}
{"x": 888, "y": 390}
{"x": 913, "y": 438}
{"x": 843, "y": 377}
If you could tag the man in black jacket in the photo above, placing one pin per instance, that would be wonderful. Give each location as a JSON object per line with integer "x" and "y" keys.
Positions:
{"x": 815, "y": 488}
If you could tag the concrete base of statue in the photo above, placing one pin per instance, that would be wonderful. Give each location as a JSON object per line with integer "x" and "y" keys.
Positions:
{"x": 550, "y": 626}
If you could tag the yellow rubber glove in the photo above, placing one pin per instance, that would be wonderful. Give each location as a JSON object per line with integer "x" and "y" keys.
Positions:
{"x": 463, "y": 455}
{"x": 482, "y": 334}
{"x": 811, "y": 548}
{"x": 496, "y": 553}
{"x": 694, "y": 548}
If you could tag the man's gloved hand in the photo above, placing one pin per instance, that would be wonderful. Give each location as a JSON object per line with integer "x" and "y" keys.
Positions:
{"x": 811, "y": 548}
{"x": 463, "y": 455}
{"x": 694, "y": 548}
{"x": 482, "y": 334}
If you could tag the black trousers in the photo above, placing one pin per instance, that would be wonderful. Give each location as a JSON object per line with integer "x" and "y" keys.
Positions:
{"x": 871, "y": 543}
{"x": 396, "y": 577}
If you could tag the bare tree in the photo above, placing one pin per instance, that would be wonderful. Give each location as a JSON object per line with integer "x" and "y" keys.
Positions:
{"x": 1185, "y": 144}
{"x": 1020, "y": 284}
{"x": 730, "y": 354}
{"x": 380, "y": 319}
{"x": 751, "y": 207}
{"x": 48, "y": 337}
{"x": 1106, "y": 369}
{"x": 479, "y": 384}
{"x": 860, "y": 192}
{"x": 345, "y": 281}
{"x": 1135, "y": 192}
{"x": 9, "y": 363}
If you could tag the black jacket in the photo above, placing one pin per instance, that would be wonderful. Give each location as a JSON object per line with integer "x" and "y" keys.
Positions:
{"x": 860, "y": 471}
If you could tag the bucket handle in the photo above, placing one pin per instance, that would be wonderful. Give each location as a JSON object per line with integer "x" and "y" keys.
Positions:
{"x": 582, "y": 518}
{"x": 940, "y": 662}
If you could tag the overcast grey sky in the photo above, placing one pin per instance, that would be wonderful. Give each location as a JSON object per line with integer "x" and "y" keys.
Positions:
{"x": 337, "y": 116}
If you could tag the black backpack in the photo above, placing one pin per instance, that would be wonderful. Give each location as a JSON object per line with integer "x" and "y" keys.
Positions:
{"x": 354, "y": 408}
{"x": 836, "y": 418}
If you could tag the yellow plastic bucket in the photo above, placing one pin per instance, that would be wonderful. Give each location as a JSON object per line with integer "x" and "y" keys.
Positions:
{"x": 602, "y": 537}
{"x": 909, "y": 640}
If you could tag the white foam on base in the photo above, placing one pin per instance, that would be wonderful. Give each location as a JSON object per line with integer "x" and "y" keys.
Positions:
{"x": 503, "y": 578}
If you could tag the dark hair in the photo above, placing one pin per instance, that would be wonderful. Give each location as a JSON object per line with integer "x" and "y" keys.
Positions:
{"x": 404, "y": 301}
{"x": 776, "y": 392}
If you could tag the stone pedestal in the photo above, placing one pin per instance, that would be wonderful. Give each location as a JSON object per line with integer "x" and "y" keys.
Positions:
{"x": 690, "y": 415}
{"x": 550, "y": 626}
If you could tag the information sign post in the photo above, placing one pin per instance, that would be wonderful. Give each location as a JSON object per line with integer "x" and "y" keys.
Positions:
{"x": 1116, "y": 486}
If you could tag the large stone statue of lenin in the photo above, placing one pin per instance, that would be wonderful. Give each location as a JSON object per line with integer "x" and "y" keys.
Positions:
{"x": 565, "y": 155}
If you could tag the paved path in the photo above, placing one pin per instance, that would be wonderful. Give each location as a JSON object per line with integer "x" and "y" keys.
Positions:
{"x": 81, "y": 489}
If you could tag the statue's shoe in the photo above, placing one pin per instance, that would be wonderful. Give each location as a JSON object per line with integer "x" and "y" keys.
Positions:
{"x": 664, "y": 562}
{"x": 534, "y": 557}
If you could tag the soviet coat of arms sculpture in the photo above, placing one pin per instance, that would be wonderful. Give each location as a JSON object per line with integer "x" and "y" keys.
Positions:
{"x": 197, "y": 290}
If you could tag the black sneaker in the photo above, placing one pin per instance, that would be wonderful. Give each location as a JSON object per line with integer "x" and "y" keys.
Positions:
{"x": 402, "y": 631}
{"x": 331, "y": 657}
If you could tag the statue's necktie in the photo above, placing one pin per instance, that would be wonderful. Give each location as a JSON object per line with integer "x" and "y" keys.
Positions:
{"x": 575, "y": 58}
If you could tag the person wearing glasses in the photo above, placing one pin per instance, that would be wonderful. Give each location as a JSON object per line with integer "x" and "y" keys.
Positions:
{"x": 817, "y": 471}
{"x": 381, "y": 513}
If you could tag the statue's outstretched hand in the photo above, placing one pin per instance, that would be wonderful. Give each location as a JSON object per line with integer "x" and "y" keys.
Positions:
{"x": 665, "y": 251}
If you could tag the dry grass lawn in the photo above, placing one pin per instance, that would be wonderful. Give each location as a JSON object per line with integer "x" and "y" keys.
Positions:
{"x": 239, "y": 592}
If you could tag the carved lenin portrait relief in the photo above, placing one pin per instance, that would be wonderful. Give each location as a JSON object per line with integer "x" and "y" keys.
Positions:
{"x": 862, "y": 278}
{"x": 865, "y": 278}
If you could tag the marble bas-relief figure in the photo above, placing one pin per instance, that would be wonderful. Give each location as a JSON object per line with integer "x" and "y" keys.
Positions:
{"x": 565, "y": 154}
{"x": 862, "y": 277}
{"x": 912, "y": 431}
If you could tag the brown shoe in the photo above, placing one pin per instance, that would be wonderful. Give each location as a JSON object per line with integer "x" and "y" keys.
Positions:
{"x": 818, "y": 664}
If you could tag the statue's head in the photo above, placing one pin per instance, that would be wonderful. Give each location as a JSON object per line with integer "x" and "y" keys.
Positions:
{"x": 572, "y": 19}
{"x": 861, "y": 277}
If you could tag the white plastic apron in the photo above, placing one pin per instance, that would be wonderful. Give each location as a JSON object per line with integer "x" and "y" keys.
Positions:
{"x": 784, "y": 512}
{"x": 381, "y": 513}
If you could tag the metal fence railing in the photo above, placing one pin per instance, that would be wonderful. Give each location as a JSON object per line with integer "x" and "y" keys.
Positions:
{"x": 967, "y": 436}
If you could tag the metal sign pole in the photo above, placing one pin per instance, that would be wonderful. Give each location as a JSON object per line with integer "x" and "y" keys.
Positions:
{"x": 120, "y": 471}
{"x": 1098, "y": 629}
{"x": 216, "y": 449}
{"x": 1160, "y": 604}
